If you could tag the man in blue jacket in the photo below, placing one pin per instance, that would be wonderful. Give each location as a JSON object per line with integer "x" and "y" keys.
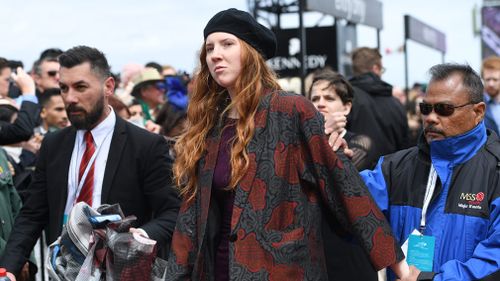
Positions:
{"x": 446, "y": 190}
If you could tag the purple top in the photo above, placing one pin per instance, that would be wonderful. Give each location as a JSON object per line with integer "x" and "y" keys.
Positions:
{"x": 225, "y": 200}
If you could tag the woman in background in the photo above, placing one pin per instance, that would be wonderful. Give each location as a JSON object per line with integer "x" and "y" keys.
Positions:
{"x": 332, "y": 96}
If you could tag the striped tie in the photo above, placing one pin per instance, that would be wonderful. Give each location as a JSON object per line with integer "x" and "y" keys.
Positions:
{"x": 88, "y": 186}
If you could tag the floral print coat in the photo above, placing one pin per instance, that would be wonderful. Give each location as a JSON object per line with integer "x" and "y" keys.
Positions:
{"x": 293, "y": 177}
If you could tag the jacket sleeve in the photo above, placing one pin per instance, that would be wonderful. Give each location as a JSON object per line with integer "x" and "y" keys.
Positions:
{"x": 182, "y": 254}
{"x": 160, "y": 192}
{"x": 22, "y": 128}
{"x": 343, "y": 190}
{"x": 32, "y": 218}
{"x": 375, "y": 181}
{"x": 485, "y": 260}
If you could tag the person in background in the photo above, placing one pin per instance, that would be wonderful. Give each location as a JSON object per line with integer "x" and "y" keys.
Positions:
{"x": 21, "y": 156}
{"x": 173, "y": 122}
{"x": 51, "y": 53}
{"x": 154, "y": 65}
{"x": 447, "y": 188}
{"x": 332, "y": 96}
{"x": 53, "y": 113}
{"x": 400, "y": 95}
{"x": 45, "y": 72}
{"x": 168, "y": 70}
{"x": 129, "y": 72}
{"x": 149, "y": 90}
{"x": 22, "y": 128}
{"x": 136, "y": 113}
{"x": 490, "y": 72}
{"x": 10, "y": 204}
{"x": 255, "y": 170}
{"x": 17, "y": 128}
{"x": 415, "y": 96}
{"x": 119, "y": 107}
{"x": 375, "y": 112}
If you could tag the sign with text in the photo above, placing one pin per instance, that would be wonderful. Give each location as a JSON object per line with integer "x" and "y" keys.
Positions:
{"x": 321, "y": 50}
{"x": 424, "y": 34}
{"x": 367, "y": 12}
{"x": 490, "y": 31}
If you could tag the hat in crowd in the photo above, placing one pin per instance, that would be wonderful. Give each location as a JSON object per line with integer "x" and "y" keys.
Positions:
{"x": 242, "y": 25}
{"x": 147, "y": 76}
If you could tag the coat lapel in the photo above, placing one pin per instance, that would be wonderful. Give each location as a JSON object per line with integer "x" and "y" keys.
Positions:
{"x": 254, "y": 150}
{"x": 115, "y": 152}
{"x": 62, "y": 164}
{"x": 206, "y": 173}
{"x": 207, "y": 164}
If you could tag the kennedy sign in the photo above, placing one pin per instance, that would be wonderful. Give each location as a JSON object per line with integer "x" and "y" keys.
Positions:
{"x": 321, "y": 50}
{"x": 367, "y": 12}
{"x": 424, "y": 34}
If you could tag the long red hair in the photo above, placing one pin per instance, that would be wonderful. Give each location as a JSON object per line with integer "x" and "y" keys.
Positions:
{"x": 207, "y": 96}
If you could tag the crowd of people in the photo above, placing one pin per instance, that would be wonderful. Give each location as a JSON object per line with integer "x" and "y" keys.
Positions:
{"x": 236, "y": 178}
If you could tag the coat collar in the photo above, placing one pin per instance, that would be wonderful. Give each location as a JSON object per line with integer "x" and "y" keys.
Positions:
{"x": 65, "y": 146}
{"x": 458, "y": 149}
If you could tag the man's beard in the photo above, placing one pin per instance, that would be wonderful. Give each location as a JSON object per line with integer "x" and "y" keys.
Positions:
{"x": 87, "y": 120}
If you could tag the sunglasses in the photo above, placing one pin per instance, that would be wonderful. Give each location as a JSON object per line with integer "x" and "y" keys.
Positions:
{"x": 442, "y": 109}
{"x": 52, "y": 73}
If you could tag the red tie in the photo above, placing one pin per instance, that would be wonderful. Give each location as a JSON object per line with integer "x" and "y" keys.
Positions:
{"x": 88, "y": 186}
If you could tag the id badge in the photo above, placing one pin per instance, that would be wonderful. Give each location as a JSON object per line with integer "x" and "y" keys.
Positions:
{"x": 421, "y": 251}
{"x": 65, "y": 220}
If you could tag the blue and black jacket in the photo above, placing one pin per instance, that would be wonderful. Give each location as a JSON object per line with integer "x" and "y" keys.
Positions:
{"x": 464, "y": 213}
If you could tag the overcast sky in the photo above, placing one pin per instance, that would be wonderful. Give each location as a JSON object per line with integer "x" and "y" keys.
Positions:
{"x": 170, "y": 32}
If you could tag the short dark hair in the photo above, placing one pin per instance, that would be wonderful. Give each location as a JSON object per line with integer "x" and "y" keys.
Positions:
{"x": 134, "y": 102}
{"x": 154, "y": 65}
{"x": 51, "y": 53}
{"x": 338, "y": 82}
{"x": 169, "y": 117}
{"x": 44, "y": 98}
{"x": 364, "y": 58}
{"x": 470, "y": 79}
{"x": 36, "y": 65}
{"x": 81, "y": 54}
{"x": 3, "y": 63}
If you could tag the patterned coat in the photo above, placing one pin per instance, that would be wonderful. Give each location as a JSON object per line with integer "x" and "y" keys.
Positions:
{"x": 293, "y": 177}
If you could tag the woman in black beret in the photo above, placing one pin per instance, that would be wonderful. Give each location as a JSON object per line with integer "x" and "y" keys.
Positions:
{"x": 256, "y": 172}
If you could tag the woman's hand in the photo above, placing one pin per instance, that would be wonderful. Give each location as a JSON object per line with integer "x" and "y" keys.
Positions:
{"x": 11, "y": 276}
{"x": 152, "y": 127}
{"x": 24, "y": 81}
{"x": 411, "y": 276}
{"x": 337, "y": 141}
{"x": 405, "y": 272}
{"x": 335, "y": 122}
{"x": 25, "y": 273}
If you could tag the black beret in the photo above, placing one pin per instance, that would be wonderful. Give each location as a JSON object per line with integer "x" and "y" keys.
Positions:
{"x": 242, "y": 25}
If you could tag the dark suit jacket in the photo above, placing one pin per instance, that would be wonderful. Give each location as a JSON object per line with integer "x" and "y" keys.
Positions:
{"x": 377, "y": 114}
{"x": 22, "y": 128}
{"x": 137, "y": 176}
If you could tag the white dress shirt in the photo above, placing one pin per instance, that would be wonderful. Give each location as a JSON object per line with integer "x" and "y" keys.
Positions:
{"x": 102, "y": 135}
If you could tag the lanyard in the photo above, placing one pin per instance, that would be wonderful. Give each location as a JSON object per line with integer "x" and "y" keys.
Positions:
{"x": 84, "y": 176}
{"x": 429, "y": 191}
